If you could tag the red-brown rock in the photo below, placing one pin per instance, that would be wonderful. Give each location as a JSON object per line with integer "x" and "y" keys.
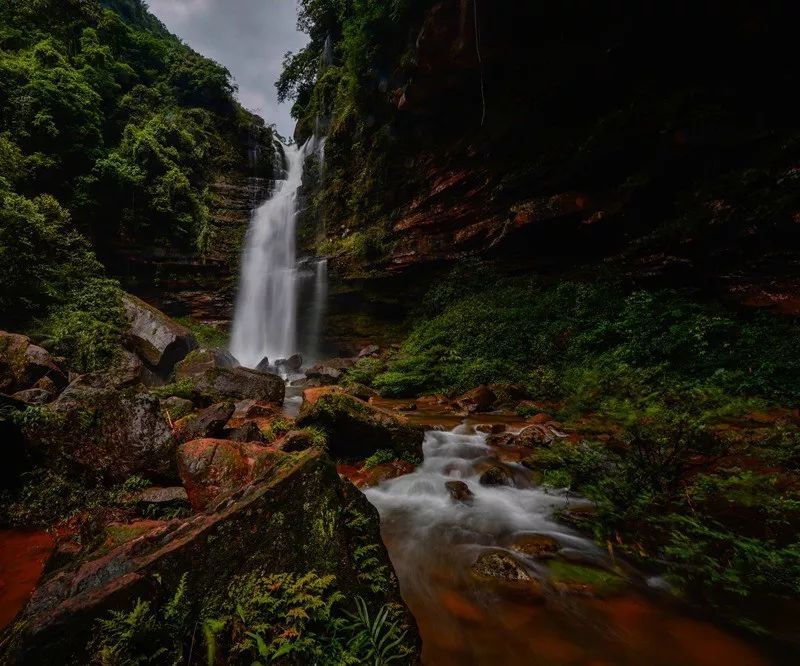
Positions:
{"x": 212, "y": 468}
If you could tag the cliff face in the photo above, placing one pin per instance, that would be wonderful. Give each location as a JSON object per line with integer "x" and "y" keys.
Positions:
{"x": 201, "y": 283}
{"x": 657, "y": 140}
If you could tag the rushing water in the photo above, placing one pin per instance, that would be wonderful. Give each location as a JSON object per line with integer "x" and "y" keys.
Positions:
{"x": 265, "y": 322}
{"x": 433, "y": 542}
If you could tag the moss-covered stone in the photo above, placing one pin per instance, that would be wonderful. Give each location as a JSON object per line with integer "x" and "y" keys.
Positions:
{"x": 298, "y": 517}
{"x": 356, "y": 430}
{"x": 578, "y": 578}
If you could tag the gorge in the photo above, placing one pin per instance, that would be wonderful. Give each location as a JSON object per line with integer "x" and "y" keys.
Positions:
{"x": 493, "y": 361}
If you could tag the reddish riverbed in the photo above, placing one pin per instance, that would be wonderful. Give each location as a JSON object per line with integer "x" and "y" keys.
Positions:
{"x": 23, "y": 555}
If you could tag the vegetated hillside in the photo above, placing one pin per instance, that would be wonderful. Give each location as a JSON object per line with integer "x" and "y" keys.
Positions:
{"x": 595, "y": 207}
{"x": 111, "y": 131}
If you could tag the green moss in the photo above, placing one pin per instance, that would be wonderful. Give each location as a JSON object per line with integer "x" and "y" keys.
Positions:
{"x": 206, "y": 335}
{"x": 600, "y": 581}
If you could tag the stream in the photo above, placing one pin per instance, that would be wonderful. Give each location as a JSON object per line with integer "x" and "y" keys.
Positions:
{"x": 465, "y": 619}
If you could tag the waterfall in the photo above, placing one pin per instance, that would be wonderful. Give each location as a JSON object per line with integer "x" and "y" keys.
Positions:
{"x": 319, "y": 300}
{"x": 265, "y": 319}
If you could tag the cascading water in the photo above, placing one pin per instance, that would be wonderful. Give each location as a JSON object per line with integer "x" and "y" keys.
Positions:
{"x": 434, "y": 540}
{"x": 265, "y": 320}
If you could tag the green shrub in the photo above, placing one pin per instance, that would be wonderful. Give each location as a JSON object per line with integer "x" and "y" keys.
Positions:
{"x": 380, "y": 457}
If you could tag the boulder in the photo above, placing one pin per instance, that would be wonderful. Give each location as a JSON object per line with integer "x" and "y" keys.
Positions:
{"x": 216, "y": 383}
{"x": 491, "y": 428}
{"x": 247, "y": 432}
{"x": 155, "y": 338}
{"x": 356, "y": 429}
{"x": 113, "y": 433}
{"x": 480, "y": 399}
{"x": 500, "y": 566}
{"x": 496, "y": 475}
{"x": 299, "y": 518}
{"x": 34, "y": 396}
{"x": 538, "y": 435}
{"x": 173, "y": 497}
{"x": 200, "y": 361}
{"x": 264, "y": 365}
{"x": 177, "y": 407}
{"x": 330, "y": 371}
{"x": 369, "y": 350}
{"x": 459, "y": 491}
{"x": 23, "y": 364}
{"x": 208, "y": 423}
{"x": 536, "y": 545}
{"x": 361, "y": 392}
{"x": 296, "y": 440}
{"x": 293, "y": 363}
{"x": 212, "y": 468}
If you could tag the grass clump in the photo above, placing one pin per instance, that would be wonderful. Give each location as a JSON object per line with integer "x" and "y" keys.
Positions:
{"x": 380, "y": 457}
{"x": 205, "y": 334}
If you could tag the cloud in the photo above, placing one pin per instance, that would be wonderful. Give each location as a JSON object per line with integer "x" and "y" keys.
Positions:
{"x": 249, "y": 37}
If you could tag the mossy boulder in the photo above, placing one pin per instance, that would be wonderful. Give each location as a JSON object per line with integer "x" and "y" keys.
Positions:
{"x": 198, "y": 361}
{"x": 210, "y": 422}
{"x": 155, "y": 338}
{"x": 23, "y": 364}
{"x": 355, "y": 429}
{"x": 298, "y": 517}
{"x": 115, "y": 434}
{"x": 217, "y": 384}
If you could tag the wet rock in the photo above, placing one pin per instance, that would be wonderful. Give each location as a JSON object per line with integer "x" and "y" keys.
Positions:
{"x": 299, "y": 518}
{"x": 208, "y": 423}
{"x": 480, "y": 399}
{"x": 491, "y": 428}
{"x": 114, "y": 433}
{"x": 212, "y": 468}
{"x": 247, "y": 432}
{"x": 501, "y": 439}
{"x": 355, "y": 429}
{"x": 155, "y": 338}
{"x": 408, "y": 407}
{"x": 369, "y": 350}
{"x": 293, "y": 363}
{"x": 265, "y": 366}
{"x": 34, "y": 396}
{"x": 368, "y": 478}
{"x": 536, "y": 545}
{"x": 496, "y": 475}
{"x": 499, "y": 566}
{"x": 459, "y": 491}
{"x": 177, "y": 407}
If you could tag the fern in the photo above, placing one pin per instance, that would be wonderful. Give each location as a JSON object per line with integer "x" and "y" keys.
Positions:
{"x": 375, "y": 640}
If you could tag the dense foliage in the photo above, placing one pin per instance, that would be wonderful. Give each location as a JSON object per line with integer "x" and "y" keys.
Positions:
{"x": 265, "y": 618}
{"x": 342, "y": 84}
{"x": 594, "y": 345}
{"x": 110, "y": 131}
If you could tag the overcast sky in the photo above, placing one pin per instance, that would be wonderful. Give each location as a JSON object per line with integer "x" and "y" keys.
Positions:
{"x": 249, "y": 37}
